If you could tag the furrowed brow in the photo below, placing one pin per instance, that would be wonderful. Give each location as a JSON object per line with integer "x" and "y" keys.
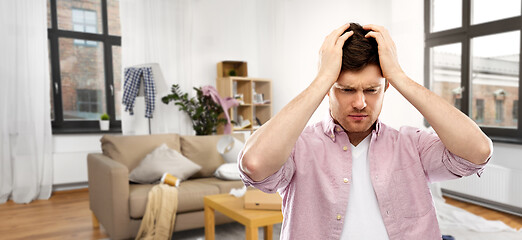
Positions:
{"x": 337, "y": 85}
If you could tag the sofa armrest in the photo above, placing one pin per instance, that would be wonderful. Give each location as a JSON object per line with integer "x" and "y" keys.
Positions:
{"x": 109, "y": 194}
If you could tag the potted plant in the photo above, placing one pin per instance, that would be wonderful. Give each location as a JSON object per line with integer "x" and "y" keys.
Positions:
{"x": 104, "y": 122}
{"x": 202, "y": 110}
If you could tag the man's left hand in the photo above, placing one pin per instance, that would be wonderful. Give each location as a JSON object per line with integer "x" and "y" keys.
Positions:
{"x": 391, "y": 70}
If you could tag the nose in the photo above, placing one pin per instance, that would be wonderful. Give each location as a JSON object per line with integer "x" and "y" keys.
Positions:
{"x": 359, "y": 102}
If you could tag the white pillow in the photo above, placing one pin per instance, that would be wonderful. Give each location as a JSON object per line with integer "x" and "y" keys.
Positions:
{"x": 227, "y": 171}
{"x": 163, "y": 159}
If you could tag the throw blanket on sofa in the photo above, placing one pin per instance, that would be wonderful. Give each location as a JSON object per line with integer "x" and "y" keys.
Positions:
{"x": 160, "y": 214}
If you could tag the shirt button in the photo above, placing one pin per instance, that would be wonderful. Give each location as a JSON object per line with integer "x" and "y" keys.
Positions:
{"x": 345, "y": 180}
{"x": 388, "y": 212}
{"x": 345, "y": 148}
{"x": 338, "y": 216}
{"x": 332, "y": 136}
{"x": 338, "y": 129}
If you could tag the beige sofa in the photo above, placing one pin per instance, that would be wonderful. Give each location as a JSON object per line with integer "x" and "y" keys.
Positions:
{"x": 119, "y": 205}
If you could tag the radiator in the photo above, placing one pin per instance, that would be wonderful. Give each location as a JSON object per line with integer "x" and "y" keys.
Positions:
{"x": 498, "y": 186}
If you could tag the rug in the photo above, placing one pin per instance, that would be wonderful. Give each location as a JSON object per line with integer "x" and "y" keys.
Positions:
{"x": 464, "y": 225}
{"x": 227, "y": 231}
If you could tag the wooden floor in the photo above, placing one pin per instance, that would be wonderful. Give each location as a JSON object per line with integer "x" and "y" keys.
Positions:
{"x": 67, "y": 216}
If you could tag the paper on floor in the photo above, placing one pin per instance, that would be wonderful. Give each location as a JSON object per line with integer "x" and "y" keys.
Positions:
{"x": 464, "y": 225}
{"x": 238, "y": 192}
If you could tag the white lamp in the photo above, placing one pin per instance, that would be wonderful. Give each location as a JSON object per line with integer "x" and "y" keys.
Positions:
{"x": 229, "y": 147}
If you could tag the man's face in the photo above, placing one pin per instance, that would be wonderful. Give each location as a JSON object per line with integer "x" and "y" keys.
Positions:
{"x": 356, "y": 99}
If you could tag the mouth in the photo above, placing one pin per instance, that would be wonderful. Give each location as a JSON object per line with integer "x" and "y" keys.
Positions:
{"x": 357, "y": 117}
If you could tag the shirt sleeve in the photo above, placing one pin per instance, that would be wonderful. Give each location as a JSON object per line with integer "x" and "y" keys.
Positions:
{"x": 271, "y": 184}
{"x": 438, "y": 162}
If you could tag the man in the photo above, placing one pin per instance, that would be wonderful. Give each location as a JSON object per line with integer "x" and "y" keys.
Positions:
{"x": 351, "y": 176}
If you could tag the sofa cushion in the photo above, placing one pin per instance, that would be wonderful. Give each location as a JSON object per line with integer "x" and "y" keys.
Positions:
{"x": 223, "y": 185}
{"x": 138, "y": 194}
{"x": 162, "y": 160}
{"x": 130, "y": 150}
{"x": 203, "y": 151}
{"x": 190, "y": 196}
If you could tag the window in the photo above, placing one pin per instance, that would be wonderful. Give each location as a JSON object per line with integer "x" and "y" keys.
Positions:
{"x": 499, "y": 110}
{"x": 84, "y": 21}
{"x": 458, "y": 102}
{"x": 446, "y": 14}
{"x": 85, "y": 56}
{"x": 479, "y": 117}
{"x": 88, "y": 101}
{"x": 473, "y": 61}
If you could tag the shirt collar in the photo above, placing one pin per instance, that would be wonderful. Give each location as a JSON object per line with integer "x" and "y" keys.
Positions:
{"x": 331, "y": 129}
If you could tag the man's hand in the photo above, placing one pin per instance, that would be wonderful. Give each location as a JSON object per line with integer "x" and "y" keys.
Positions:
{"x": 390, "y": 67}
{"x": 331, "y": 54}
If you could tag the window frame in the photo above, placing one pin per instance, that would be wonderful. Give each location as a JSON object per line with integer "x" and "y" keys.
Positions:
{"x": 59, "y": 125}
{"x": 463, "y": 35}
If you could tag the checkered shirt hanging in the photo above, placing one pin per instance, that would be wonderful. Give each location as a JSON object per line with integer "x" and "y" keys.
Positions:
{"x": 131, "y": 88}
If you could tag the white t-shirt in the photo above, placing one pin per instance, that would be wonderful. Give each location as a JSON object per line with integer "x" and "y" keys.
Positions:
{"x": 363, "y": 217}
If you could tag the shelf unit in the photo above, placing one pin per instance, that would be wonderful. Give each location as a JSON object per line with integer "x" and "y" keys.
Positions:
{"x": 250, "y": 107}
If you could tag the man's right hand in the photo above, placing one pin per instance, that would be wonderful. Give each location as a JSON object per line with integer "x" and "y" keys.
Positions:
{"x": 331, "y": 53}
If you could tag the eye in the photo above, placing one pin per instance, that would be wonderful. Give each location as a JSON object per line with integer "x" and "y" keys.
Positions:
{"x": 371, "y": 90}
{"x": 347, "y": 90}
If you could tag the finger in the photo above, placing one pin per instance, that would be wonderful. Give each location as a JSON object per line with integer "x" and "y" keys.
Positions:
{"x": 341, "y": 29}
{"x": 332, "y": 37}
{"x": 343, "y": 38}
{"x": 373, "y": 27}
{"x": 381, "y": 38}
{"x": 387, "y": 36}
{"x": 380, "y": 29}
{"x": 377, "y": 36}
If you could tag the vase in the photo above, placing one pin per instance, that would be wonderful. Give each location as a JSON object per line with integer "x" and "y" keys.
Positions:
{"x": 104, "y": 125}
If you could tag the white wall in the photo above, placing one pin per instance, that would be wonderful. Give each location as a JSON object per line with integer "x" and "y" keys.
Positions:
{"x": 223, "y": 30}
{"x": 187, "y": 38}
{"x": 407, "y": 30}
{"x": 70, "y": 157}
{"x": 507, "y": 155}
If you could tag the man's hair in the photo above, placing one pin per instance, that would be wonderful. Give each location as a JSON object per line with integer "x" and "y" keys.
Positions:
{"x": 358, "y": 51}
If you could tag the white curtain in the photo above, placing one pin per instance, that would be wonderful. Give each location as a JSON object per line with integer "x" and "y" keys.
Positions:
{"x": 25, "y": 127}
{"x": 158, "y": 31}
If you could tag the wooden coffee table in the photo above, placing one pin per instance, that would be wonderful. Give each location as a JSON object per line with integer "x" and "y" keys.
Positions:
{"x": 232, "y": 207}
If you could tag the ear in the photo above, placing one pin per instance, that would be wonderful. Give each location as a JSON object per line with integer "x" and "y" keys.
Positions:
{"x": 387, "y": 83}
